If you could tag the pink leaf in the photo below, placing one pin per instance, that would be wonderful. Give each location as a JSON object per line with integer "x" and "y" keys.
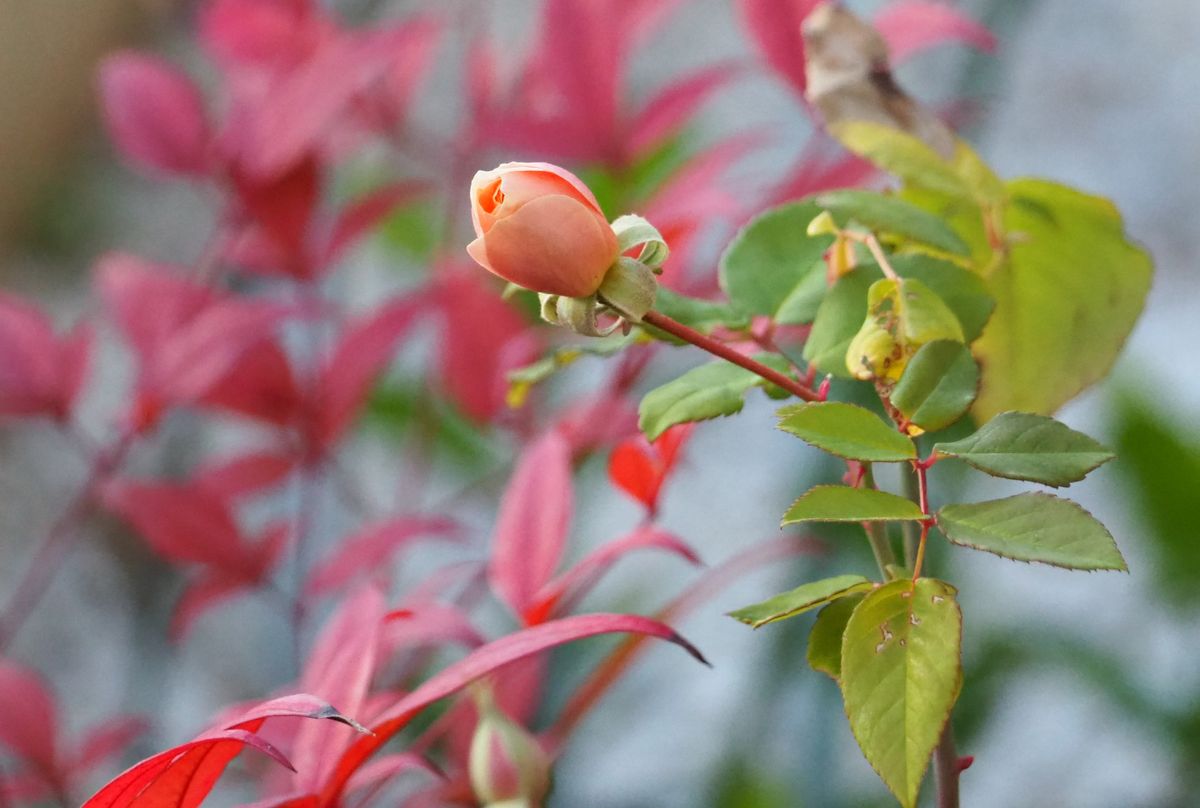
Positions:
{"x": 182, "y": 523}
{"x": 483, "y": 661}
{"x": 912, "y": 26}
{"x": 598, "y": 421}
{"x": 372, "y": 548}
{"x": 339, "y": 669}
{"x": 245, "y": 474}
{"x": 565, "y": 591}
{"x": 531, "y": 528}
{"x": 39, "y": 373}
{"x": 429, "y": 624}
{"x": 669, "y": 110}
{"x": 775, "y": 28}
{"x": 30, "y": 725}
{"x": 283, "y": 206}
{"x": 155, "y": 114}
{"x": 107, "y": 740}
{"x": 363, "y": 215}
{"x": 364, "y": 350}
{"x": 262, "y": 33}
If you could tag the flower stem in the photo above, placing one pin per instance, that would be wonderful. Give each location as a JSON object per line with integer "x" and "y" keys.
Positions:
{"x": 946, "y": 769}
{"x": 677, "y": 329}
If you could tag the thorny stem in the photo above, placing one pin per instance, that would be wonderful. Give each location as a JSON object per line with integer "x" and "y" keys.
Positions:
{"x": 719, "y": 349}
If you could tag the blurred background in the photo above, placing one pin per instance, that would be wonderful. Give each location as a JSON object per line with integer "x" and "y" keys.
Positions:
{"x": 1080, "y": 689}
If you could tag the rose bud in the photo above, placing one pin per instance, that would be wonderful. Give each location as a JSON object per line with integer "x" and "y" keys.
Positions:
{"x": 507, "y": 765}
{"x": 541, "y": 228}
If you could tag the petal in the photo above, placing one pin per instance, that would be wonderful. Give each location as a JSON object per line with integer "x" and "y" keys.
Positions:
{"x": 585, "y": 193}
{"x": 554, "y": 244}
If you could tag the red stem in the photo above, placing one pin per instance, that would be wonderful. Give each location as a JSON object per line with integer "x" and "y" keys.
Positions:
{"x": 707, "y": 343}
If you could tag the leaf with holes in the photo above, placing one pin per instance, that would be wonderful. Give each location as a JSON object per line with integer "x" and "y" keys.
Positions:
{"x": 938, "y": 385}
{"x": 841, "y": 503}
{"x": 900, "y": 676}
{"x": 703, "y": 393}
{"x": 801, "y": 599}
{"x": 847, "y": 431}
{"x": 1034, "y": 527}
{"x": 1035, "y": 448}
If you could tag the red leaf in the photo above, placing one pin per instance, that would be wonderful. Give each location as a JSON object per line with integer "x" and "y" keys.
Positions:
{"x": 640, "y": 468}
{"x": 264, "y": 33}
{"x": 245, "y": 474}
{"x": 414, "y": 43}
{"x": 366, "y": 347}
{"x": 668, "y": 111}
{"x": 261, "y": 385}
{"x": 126, "y": 282}
{"x": 361, "y": 216}
{"x": 283, "y": 206}
{"x": 30, "y": 724}
{"x": 181, "y": 777}
{"x": 565, "y": 591}
{"x": 155, "y": 114}
{"x": 775, "y": 27}
{"x": 483, "y": 338}
{"x": 371, "y": 549}
{"x": 913, "y": 26}
{"x": 339, "y": 670}
{"x": 483, "y": 661}
{"x": 531, "y": 528}
{"x": 598, "y": 421}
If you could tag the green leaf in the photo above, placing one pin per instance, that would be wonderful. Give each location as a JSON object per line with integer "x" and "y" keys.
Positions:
{"x": 839, "y": 317}
{"x": 883, "y": 213}
{"x": 962, "y": 290}
{"x": 841, "y": 503}
{"x": 847, "y": 431}
{"x": 1034, "y": 526}
{"x": 705, "y": 392}
{"x": 901, "y": 674}
{"x": 522, "y": 379}
{"x": 804, "y": 301}
{"x": 771, "y": 256}
{"x": 909, "y": 158}
{"x": 902, "y": 315}
{"x": 702, "y": 315}
{"x": 1035, "y": 448}
{"x": 938, "y": 385}
{"x": 1067, "y": 296}
{"x": 844, "y": 307}
{"x": 825, "y": 640}
{"x": 801, "y": 599}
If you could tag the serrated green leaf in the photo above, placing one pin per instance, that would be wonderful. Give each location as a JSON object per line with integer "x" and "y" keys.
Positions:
{"x": 702, "y": 315}
{"x": 825, "y": 641}
{"x": 705, "y": 392}
{"x": 1067, "y": 296}
{"x": 800, "y": 600}
{"x": 1035, "y": 448}
{"x": 884, "y": 213}
{"x": 846, "y": 430}
{"x": 841, "y": 503}
{"x": 1034, "y": 526}
{"x": 770, "y": 257}
{"x": 938, "y": 385}
{"x": 900, "y": 676}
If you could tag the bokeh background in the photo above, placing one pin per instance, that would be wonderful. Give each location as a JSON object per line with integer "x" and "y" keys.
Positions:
{"x": 1080, "y": 690}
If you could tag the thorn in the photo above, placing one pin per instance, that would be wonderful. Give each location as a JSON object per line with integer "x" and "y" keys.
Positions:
{"x": 965, "y": 762}
{"x": 823, "y": 390}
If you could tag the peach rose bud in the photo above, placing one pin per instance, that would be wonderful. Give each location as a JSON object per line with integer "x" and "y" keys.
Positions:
{"x": 539, "y": 227}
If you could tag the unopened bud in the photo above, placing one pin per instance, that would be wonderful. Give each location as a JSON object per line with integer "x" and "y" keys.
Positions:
{"x": 508, "y": 767}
